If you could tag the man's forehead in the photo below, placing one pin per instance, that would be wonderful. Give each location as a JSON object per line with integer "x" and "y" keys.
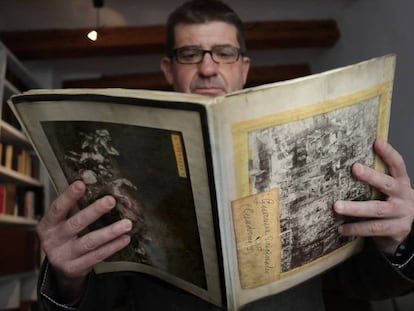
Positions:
{"x": 205, "y": 34}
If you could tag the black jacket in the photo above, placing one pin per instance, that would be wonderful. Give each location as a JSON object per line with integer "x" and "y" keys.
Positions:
{"x": 349, "y": 286}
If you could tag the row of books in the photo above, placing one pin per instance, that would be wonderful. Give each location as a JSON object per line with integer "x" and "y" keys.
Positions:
{"x": 19, "y": 159}
{"x": 17, "y": 201}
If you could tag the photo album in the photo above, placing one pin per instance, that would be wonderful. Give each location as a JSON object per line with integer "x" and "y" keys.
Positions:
{"x": 230, "y": 197}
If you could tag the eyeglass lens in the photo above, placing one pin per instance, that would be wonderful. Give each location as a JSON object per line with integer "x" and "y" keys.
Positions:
{"x": 220, "y": 54}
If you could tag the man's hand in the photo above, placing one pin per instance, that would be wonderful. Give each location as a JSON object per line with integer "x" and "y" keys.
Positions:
{"x": 388, "y": 222}
{"x": 72, "y": 257}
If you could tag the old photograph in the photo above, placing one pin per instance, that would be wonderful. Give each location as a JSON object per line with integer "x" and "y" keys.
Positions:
{"x": 145, "y": 169}
{"x": 310, "y": 161}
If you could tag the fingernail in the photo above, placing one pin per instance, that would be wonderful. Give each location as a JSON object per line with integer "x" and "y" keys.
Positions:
{"x": 339, "y": 206}
{"x": 78, "y": 186}
{"x": 340, "y": 229}
{"x": 109, "y": 201}
{"x": 380, "y": 142}
{"x": 358, "y": 167}
{"x": 124, "y": 224}
{"x": 127, "y": 224}
{"x": 126, "y": 239}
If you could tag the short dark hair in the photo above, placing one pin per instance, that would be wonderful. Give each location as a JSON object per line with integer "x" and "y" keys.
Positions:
{"x": 199, "y": 12}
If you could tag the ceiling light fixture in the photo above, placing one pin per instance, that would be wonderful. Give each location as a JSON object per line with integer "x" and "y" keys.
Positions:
{"x": 93, "y": 34}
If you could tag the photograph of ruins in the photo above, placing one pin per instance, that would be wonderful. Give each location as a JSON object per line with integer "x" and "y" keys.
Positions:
{"x": 310, "y": 161}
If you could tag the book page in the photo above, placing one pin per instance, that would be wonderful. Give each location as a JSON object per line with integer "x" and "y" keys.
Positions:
{"x": 149, "y": 154}
{"x": 256, "y": 219}
{"x": 301, "y": 137}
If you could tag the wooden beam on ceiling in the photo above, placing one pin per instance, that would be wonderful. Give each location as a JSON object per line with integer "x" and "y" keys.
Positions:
{"x": 116, "y": 41}
{"x": 156, "y": 80}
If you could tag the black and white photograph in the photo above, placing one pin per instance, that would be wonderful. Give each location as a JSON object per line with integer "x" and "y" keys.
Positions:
{"x": 310, "y": 162}
{"x": 140, "y": 168}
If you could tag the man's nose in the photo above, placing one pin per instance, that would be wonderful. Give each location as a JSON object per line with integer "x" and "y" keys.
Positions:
{"x": 207, "y": 67}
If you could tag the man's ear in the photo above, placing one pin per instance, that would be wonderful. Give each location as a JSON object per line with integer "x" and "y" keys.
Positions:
{"x": 166, "y": 67}
{"x": 246, "y": 68}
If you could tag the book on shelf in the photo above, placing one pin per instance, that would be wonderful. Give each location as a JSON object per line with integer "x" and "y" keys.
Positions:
{"x": 27, "y": 206}
{"x": 8, "y": 198}
{"x": 19, "y": 200}
{"x": 9, "y": 156}
{"x": 14, "y": 157}
{"x": 231, "y": 197}
{"x": 24, "y": 162}
{"x": 18, "y": 159}
{"x": 21, "y": 161}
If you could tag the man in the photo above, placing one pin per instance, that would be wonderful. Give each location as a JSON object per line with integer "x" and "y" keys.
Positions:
{"x": 206, "y": 55}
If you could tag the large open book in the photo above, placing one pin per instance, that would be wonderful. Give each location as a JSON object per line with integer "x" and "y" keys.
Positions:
{"x": 231, "y": 197}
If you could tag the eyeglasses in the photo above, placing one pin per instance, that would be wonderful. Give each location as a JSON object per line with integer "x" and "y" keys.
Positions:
{"x": 221, "y": 54}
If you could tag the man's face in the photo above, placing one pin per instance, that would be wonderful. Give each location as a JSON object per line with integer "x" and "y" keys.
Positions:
{"x": 207, "y": 77}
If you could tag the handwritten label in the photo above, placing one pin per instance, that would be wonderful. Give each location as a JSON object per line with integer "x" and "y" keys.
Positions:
{"x": 179, "y": 155}
{"x": 256, "y": 225}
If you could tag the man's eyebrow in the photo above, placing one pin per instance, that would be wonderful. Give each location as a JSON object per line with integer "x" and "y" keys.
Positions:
{"x": 190, "y": 46}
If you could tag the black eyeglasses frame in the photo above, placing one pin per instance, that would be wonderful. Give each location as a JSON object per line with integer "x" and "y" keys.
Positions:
{"x": 176, "y": 52}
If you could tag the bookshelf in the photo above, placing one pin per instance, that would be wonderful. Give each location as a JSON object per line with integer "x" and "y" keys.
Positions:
{"x": 20, "y": 175}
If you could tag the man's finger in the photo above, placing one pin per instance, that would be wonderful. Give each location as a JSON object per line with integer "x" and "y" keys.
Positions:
{"x": 79, "y": 221}
{"x": 393, "y": 160}
{"x": 374, "y": 228}
{"x": 368, "y": 209}
{"x": 61, "y": 207}
{"x": 96, "y": 239}
{"x": 384, "y": 183}
{"x": 82, "y": 265}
